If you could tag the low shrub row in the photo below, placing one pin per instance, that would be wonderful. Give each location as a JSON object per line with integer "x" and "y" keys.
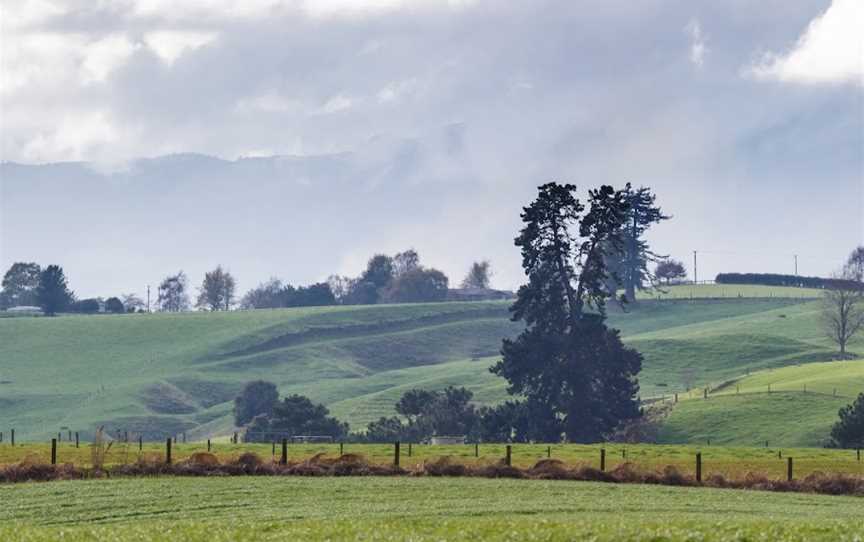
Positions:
{"x": 250, "y": 464}
{"x": 774, "y": 279}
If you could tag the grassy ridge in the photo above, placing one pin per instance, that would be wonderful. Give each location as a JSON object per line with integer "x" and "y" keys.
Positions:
{"x": 799, "y": 411}
{"x": 166, "y": 373}
{"x": 413, "y": 508}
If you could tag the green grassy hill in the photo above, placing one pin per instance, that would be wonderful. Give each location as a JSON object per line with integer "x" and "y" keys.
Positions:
{"x": 169, "y": 373}
{"x": 798, "y": 411}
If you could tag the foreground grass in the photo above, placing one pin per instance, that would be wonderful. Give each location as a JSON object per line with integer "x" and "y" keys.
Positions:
{"x": 412, "y": 509}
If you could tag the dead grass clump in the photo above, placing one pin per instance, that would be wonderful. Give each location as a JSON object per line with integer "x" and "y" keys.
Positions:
{"x": 39, "y": 472}
{"x": 500, "y": 470}
{"x": 444, "y": 466}
{"x": 550, "y": 469}
{"x": 203, "y": 459}
{"x": 590, "y": 474}
{"x": 671, "y": 476}
{"x": 717, "y": 480}
{"x": 833, "y": 484}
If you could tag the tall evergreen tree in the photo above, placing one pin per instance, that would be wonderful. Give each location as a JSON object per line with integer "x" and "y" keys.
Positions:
{"x": 566, "y": 362}
{"x": 848, "y": 432}
{"x": 53, "y": 292}
{"x": 628, "y": 268}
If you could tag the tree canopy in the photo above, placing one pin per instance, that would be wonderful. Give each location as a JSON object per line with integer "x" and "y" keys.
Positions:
{"x": 848, "y": 432}
{"x": 20, "y": 284}
{"x": 53, "y": 294}
{"x": 479, "y": 275}
{"x": 217, "y": 290}
{"x": 575, "y": 374}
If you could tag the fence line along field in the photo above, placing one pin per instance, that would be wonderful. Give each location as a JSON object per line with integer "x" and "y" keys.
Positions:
{"x": 417, "y": 509}
{"x": 730, "y": 462}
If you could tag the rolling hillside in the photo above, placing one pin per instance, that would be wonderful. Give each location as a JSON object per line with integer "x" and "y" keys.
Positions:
{"x": 166, "y": 373}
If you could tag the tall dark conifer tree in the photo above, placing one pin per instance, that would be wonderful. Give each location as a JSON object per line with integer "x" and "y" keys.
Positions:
{"x": 53, "y": 293}
{"x": 568, "y": 365}
{"x": 628, "y": 269}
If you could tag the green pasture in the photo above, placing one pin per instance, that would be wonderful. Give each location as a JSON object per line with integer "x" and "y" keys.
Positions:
{"x": 799, "y": 410}
{"x": 164, "y": 374}
{"x": 421, "y": 509}
{"x": 728, "y": 291}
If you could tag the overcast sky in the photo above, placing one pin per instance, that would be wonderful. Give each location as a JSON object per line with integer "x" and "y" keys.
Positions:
{"x": 424, "y": 123}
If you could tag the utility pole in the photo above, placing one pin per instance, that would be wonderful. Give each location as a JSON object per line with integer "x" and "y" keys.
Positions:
{"x": 695, "y": 270}
{"x": 148, "y": 298}
{"x": 796, "y": 265}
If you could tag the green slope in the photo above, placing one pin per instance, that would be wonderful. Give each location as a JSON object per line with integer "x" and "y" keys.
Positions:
{"x": 745, "y": 413}
{"x": 168, "y": 373}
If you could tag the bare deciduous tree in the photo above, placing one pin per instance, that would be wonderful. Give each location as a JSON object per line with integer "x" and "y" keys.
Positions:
{"x": 843, "y": 309}
{"x": 479, "y": 275}
{"x": 217, "y": 290}
{"x": 172, "y": 293}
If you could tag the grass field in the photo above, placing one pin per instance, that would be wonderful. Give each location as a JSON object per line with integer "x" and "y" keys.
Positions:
{"x": 164, "y": 374}
{"x": 728, "y": 291}
{"x": 419, "y": 509}
{"x": 799, "y": 410}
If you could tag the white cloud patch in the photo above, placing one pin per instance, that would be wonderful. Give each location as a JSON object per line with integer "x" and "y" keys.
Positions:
{"x": 698, "y": 43}
{"x": 169, "y": 45}
{"x": 105, "y": 55}
{"x": 831, "y": 50}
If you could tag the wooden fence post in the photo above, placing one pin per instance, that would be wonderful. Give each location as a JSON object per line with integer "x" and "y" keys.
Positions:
{"x": 508, "y": 460}
{"x": 235, "y": 437}
{"x": 273, "y": 452}
{"x": 549, "y": 452}
{"x": 699, "y": 467}
{"x": 77, "y": 442}
{"x": 13, "y": 437}
{"x": 396, "y": 453}
{"x": 409, "y": 449}
{"x": 1, "y": 436}
{"x": 70, "y": 435}
{"x": 140, "y": 443}
{"x": 168, "y": 451}
{"x": 284, "y": 459}
{"x": 341, "y": 448}
{"x": 476, "y": 449}
{"x": 602, "y": 459}
{"x": 859, "y": 454}
{"x": 788, "y": 469}
{"x": 208, "y": 444}
{"x": 53, "y": 451}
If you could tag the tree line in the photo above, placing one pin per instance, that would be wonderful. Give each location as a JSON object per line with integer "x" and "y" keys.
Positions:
{"x": 386, "y": 279}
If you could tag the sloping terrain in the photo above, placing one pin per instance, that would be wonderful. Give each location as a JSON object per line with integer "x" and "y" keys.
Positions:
{"x": 790, "y": 406}
{"x": 165, "y": 373}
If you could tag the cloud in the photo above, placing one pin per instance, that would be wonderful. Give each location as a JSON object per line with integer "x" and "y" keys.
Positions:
{"x": 444, "y": 114}
{"x": 831, "y": 49}
{"x": 170, "y": 44}
{"x": 698, "y": 47}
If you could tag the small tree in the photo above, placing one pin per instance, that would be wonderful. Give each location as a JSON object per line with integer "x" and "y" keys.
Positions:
{"x": 843, "y": 309}
{"x": 114, "y": 305}
{"x": 267, "y": 295}
{"x": 404, "y": 262}
{"x": 416, "y": 286}
{"x": 20, "y": 284}
{"x": 132, "y": 302}
{"x": 848, "y": 432}
{"x": 669, "y": 270}
{"x": 173, "y": 296}
{"x": 53, "y": 293}
{"x": 257, "y": 398}
{"x": 479, "y": 275}
{"x": 855, "y": 264}
{"x": 217, "y": 290}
